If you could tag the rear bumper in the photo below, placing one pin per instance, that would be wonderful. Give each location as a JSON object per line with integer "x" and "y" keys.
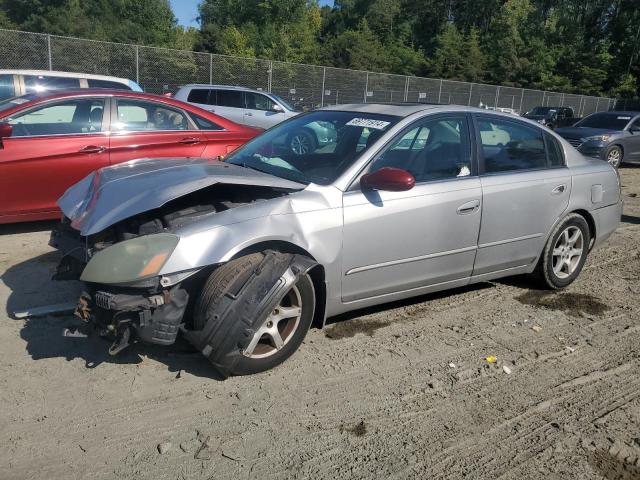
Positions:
{"x": 607, "y": 220}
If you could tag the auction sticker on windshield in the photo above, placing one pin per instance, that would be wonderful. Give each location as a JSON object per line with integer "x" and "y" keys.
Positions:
{"x": 368, "y": 123}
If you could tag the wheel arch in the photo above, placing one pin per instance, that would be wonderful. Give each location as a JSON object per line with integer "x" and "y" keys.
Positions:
{"x": 590, "y": 221}
{"x": 317, "y": 272}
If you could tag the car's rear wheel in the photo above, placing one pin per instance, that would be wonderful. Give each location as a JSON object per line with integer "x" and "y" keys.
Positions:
{"x": 614, "y": 156}
{"x": 302, "y": 142}
{"x": 565, "y": 252}
{"x": 273, "y": 338}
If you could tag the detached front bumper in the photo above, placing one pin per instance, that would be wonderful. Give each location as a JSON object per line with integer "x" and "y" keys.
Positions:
{"x": 128, "y": 315}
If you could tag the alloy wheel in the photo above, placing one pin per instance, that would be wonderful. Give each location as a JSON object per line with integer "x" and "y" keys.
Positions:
{"x": 278, "y": 328}
{"x": 567, "y": 252}
{"x": 613, "y": 157}
{"x": 300, "y": 144}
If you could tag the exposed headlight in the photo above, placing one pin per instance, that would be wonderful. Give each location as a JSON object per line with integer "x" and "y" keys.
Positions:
{"x": 130, "y": 260}
{"x": 599, "y": 138}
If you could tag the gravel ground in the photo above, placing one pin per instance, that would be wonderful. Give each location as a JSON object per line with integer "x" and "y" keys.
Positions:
{"x": 400, "y": 391}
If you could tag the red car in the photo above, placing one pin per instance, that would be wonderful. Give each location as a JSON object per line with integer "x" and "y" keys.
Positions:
{"x": 50, "y": 141}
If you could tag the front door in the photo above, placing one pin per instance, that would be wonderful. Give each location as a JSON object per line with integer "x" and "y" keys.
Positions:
{"x": 525, "y": 189}
{"x": 260, "y": 111}
{"x": 52, "y": 147}
{"x": 398, "y": 241}
{"x": 144, "y": 129}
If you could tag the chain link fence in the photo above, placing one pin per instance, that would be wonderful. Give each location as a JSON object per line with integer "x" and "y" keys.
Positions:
{"x": 160, "y": 70}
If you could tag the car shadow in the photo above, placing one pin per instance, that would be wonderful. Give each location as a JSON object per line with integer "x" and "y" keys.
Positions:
{"x": 31, "y": 286}
{"x": 631, "y": 219}
{"x": 27, "y": 227}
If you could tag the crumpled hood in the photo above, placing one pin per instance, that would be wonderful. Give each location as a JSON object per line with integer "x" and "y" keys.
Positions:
{"x": 576, "y": 133}
{"x": 115, "y": 193}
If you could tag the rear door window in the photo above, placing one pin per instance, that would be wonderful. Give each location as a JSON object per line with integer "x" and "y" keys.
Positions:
{"x": 62, "y": 118}
{"x": 136, "y": 116}
{"x": 230, "y": 98}
{"x": 198, "y": 95}
{"x": 7, "y": 89}
{"x": 509, "y": 146}
{"x": 40, "y": 83}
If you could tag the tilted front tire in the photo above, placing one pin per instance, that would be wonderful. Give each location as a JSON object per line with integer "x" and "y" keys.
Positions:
{"x": 267, "y": 334}
{"x": 565, "y": 252}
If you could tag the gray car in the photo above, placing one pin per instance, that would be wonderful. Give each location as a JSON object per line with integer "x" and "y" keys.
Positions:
{"x": 257, "y": 109}
{"x": 610, "y": 136}
{"x": 243, "y": 256}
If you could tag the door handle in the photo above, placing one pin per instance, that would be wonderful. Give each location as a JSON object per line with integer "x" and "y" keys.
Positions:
{"x": 189, "y": 140}
{"x": 558, "y": 190}
{"x": 249, "y": 114}
{"x": 93, "y": 149}
{"x": 469, "y": 207}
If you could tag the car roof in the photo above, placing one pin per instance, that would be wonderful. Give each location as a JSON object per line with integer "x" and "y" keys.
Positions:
{"x": 628, "y": 113}
{"x": 226, "y": 87}
{"x": 52, "y": 73}
{"x": 406, "y": 109}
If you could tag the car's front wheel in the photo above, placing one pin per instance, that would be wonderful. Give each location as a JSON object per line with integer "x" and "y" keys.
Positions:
{"x": 260, "y": 341}
{"x": 614, "y": 156}
{"x": 565, "y": 252}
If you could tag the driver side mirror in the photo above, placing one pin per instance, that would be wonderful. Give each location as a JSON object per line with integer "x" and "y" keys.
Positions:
{"x": 388, "y": 179}
{"x": 5, "y": 130}
{"x": 634, "y": 128}
{"x": 277, "y": 108}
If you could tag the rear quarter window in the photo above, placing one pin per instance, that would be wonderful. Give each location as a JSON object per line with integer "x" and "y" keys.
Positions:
{"x": 556, "y": 157}
{"x": 107, "y": 84}
{"x": 6, "y": 87}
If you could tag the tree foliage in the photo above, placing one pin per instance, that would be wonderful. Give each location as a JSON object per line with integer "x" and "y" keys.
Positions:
{"x": 582, "y": 46}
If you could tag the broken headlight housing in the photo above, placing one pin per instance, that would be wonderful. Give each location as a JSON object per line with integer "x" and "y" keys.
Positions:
{"x": 131, "y": 260}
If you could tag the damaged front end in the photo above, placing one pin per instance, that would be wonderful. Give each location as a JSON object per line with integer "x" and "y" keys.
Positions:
{"x": 120, "y": 260}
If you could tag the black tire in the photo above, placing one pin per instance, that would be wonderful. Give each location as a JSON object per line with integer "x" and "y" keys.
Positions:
{"x": 545, "y": 268}
{"x": 614, "y": 156}
{"x": 302, "y": 142}
{"x": 227, "y": 281}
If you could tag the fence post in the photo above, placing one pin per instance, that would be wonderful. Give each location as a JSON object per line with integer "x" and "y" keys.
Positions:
{"x": 598, "y": 105}
{"x": 470, "y": 90}
{"x": 562, "y": 101}
{"x": 521, "y": 99}
{"x": 366, "y": 88}
{"x": 440, "y": 92}
{"x": 495, "y": 103}
{"x": 49, "y": 52}
{"x": 211, "y": 69}
{"x": 324, "y": 75}
{"x": 406, "y": 89}
{"x": 580, "y": 105}
{"x": 137, "y": 64}
{"x": 270, "y": 79}
{"x": 544, "y": 92}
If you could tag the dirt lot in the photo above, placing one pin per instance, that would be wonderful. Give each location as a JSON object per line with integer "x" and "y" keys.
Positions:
{"x": 402, "y": 391}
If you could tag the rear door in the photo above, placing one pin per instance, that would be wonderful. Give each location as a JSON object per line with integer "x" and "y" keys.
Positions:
{"x": 146, "y": 129}
{"x": 633, "y": 141}
{"x": 229, "y": 104}
{"x": 260, "y": 111}
{"x": 525, "y": 188}
{"x": 52, "y": 147}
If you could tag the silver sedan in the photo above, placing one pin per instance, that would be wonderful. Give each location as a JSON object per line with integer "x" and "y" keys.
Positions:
{"x": 243, "y": 256}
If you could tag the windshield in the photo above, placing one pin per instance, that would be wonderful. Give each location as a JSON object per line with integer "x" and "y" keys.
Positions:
{"x": 609, "y": 121}
{"x": 541, "y": 111}
{"x": 316, "y": 147}
{"x": 286, "y": 104}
